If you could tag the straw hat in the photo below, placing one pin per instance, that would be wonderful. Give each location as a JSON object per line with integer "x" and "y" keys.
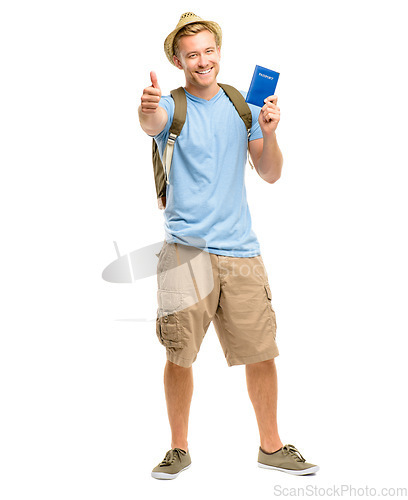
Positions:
{"x": 189, "y": 18}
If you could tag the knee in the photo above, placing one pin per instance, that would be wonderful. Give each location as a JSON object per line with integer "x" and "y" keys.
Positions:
{"x": 177, "y": 368}
{"x": 268, "y": 363}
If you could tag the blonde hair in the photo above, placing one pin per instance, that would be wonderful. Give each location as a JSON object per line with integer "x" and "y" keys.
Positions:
{"x": 192, "y": 29}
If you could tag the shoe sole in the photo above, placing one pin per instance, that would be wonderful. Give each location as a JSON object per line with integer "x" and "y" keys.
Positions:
{"x": 164, "y": 475}
{"x": 303, "y": 472}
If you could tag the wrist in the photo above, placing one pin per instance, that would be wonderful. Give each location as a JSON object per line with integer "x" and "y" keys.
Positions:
{"x": 269, "y": 135}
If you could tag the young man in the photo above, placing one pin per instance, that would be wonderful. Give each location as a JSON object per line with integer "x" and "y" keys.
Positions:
{"x": 206, "y": 201}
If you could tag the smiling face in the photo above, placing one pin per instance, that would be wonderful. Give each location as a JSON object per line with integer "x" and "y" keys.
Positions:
{"x": 199, "y": 58}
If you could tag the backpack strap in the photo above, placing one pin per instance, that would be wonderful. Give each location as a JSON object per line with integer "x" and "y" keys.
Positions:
{"x": 179, "y": 118}
{"x": 241, "y": 106}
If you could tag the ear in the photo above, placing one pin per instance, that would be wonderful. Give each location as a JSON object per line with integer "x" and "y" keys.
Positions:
{"x": 177, "y": 62}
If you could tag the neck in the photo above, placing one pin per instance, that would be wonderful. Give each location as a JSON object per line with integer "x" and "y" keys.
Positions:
{"x": 206, "y": 93}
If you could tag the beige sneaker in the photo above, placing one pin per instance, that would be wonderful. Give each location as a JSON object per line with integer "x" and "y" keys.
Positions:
{"x": 287, "y": 459}
{"x": 175, "y": 461}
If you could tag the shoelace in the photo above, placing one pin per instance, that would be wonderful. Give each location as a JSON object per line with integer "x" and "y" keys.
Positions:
{"x": 171, "y": 456}
{"x": 289, "y": 449}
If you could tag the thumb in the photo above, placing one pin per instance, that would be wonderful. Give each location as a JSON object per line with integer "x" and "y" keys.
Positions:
{"x": 153, "y": 78}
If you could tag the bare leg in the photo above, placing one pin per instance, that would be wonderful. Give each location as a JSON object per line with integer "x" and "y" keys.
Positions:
{"x": 178, "y": 388}
{"x": 262, "y": 386}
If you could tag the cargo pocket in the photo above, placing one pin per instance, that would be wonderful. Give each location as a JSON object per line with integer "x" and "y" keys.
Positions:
{"x": 168, "y": 327}
{"x": 270, "y": 308}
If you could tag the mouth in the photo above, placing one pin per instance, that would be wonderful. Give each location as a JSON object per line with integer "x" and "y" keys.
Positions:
{"x": 204, "y": 72}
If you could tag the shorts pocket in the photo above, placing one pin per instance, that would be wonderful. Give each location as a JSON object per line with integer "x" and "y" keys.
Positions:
{"x": 168, "y": 329}
{"x": 168, "y": 326}
{"x": 169, "y": 301}
{"x": 270, "y": 308}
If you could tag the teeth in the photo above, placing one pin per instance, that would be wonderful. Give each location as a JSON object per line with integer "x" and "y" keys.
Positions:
{"x": 204, "y": 72}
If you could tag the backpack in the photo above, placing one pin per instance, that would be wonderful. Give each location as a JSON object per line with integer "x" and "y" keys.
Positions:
{"x": 162, "y": 169}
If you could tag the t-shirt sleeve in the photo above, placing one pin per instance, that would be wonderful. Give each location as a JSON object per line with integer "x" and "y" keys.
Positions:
{"x": 167, "y": 103}
{"x": 256, "y": 131}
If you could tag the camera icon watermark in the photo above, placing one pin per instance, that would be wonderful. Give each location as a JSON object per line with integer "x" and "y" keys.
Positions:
{"x": 185, "y": 273}
{"x": 185, "y": 267}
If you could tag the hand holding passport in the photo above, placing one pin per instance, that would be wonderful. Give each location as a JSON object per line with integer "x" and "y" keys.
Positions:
{"x": 263, "y": 86}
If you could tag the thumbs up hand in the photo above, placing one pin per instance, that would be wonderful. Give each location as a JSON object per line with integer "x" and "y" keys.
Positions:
{"x": 151, "y": 96}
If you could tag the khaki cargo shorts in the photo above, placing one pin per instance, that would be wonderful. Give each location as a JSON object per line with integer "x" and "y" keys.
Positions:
{"x": 196, "y": 287}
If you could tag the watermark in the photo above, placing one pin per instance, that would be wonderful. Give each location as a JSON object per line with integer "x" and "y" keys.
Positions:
{"x": 142, "y": 263}
{"x": 185, "y": 266}
{"x": 184, "y": 272}
{"x": 239, "y": 269}
{"x": 346, "y": 490}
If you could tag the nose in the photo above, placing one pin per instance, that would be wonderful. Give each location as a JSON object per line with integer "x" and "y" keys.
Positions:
{"x": 203, "y": 60}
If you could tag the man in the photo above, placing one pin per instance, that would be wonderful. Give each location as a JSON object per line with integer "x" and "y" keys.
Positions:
{"x": 206, "y": 201}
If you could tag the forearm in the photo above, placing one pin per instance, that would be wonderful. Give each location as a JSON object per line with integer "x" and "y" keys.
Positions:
{"x": 269, "y": 164}
{"x": 152, "y": 123}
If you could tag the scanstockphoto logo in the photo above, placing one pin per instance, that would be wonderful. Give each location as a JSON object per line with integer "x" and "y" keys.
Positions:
{"x": 338, "y": 490}
{"x": 136, "y": 265}
{"x": 184, "y": 273}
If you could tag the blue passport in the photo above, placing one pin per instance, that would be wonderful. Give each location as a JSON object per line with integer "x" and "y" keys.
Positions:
{"x": 263, "y": 85}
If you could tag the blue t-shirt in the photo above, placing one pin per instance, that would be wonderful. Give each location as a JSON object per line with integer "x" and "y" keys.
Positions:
{"x": 206, "y": 195}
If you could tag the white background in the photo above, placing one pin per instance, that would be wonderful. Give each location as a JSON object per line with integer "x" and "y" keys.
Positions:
{"x": 83, "y": 411}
